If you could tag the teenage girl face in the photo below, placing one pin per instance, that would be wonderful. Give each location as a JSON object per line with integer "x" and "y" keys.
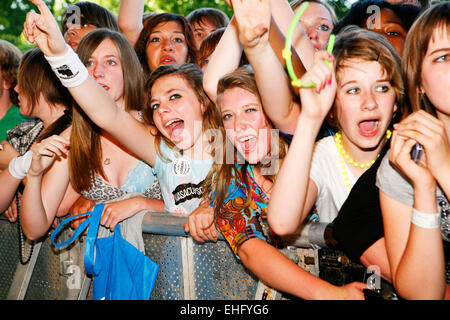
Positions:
{"x": 436, "y": 71}
{"x": 365, "y": 103}
{"x": 177, "y": 111}
{"x": 390, "y": 26}
{"x": 317, "y": 22}
{"x": 105, "y": 67}
{"x": 166, "y": 45}
{"x": 246, "y": 124}
{"x": 25, "y": 103}
{"x": 75, "y": 32}
{"x": 201, "y": 30}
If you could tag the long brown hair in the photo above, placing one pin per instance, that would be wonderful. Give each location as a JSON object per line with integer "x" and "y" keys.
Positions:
{"x": 85, "y": 151}
{"x": 223, "y": 174}
{"x": 151, "y": 23}
{"x": 36, "y": 78}
{"x": 416, "y": 47}
{"x": 193, "y": 76}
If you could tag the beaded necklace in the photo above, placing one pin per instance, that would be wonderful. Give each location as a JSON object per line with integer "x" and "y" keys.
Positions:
{"x": 22, "y": 239}
{"x": 343, "y": 156}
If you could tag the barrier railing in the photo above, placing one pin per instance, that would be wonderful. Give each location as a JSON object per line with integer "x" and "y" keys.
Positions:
{"x": 188, "y": 270}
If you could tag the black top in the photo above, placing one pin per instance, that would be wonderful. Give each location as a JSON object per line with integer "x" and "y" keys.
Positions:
{"x": 359, "y": 223}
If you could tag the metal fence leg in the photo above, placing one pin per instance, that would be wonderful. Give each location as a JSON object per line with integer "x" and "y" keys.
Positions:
{"x": 22, "y": 276}
{"x": 187, "y": 252}
{"x": 72, "y": 267}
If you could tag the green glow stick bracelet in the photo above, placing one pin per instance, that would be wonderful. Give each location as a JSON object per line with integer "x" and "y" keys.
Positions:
{"x": 287, "y": 53}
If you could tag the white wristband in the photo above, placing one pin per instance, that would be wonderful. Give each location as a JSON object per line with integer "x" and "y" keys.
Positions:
{"x": 19, "y": 166}
{"x": 426, "y": 220}
{"x": 69, "y": 68}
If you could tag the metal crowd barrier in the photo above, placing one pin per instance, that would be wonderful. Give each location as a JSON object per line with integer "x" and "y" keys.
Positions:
{"x": 188, "y": 270}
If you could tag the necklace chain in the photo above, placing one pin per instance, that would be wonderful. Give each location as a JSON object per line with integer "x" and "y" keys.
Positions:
{"x": 22, "y": 239}
{"x": 344, "y": 156}
{"x": 445, "y": 217}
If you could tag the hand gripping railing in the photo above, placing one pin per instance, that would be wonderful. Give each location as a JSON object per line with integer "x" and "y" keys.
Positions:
{"x": 311, "y": 235}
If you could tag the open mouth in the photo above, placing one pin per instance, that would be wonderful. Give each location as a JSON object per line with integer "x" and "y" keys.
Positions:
{"x": 174, "y": 128}
{"x": 167, "y": 60}
{"x": 369, "y": 128}
{"x": 73, "y": 44}
{"x": 104, "y": 86}
{"x": 247, "y": 143}
{"x": 316, "y": 46}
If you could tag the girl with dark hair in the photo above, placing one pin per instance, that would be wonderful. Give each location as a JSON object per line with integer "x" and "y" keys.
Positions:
{"x": 42, "y": 97}
{"x": 82, "y": 17}
{"x": 390, "y": 20}
{"x": 204, "y": 21}
{"x": 164, "y": 39}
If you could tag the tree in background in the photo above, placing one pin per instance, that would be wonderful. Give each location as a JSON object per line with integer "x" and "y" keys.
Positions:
{"x": 340, "y": 7}
{"x": 12, "y": 17}
{"x": 13, "y": 12}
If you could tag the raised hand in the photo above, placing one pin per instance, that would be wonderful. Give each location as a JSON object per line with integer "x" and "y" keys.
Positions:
{"x": 316, "y": 102}
{"x": 253, "y": 19}
{"x": 42, "y": 29}
{"x": 399, "y": 155}
{"x": 430, "y": 132}
{"x": 45, "y": 153}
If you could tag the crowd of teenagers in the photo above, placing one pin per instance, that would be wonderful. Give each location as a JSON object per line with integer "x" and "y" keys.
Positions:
{"x": 197, "y": 116}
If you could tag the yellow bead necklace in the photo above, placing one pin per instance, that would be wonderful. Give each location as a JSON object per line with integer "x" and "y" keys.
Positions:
{"x": 344, "y": 156}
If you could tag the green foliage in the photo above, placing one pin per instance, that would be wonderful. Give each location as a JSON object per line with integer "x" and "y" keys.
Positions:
{"x": 340, "y": 7}
{"x": 12, "y": 17}
{"x": 184, "y": 7}
{"x": 13, "y": 12}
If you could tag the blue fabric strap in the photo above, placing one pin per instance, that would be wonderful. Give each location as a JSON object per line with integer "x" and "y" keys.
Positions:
{"x": 77, "y": 232}
{"x": 91, "y": 237}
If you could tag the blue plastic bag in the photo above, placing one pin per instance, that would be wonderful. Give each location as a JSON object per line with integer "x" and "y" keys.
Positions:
{"x": 120, "y": 270}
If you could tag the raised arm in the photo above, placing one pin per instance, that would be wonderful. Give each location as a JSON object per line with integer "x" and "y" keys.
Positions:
{"x": 39, "y": 208}
{"x": 138, "y": 138}
{"x": 255, "y": 28}
{"x": 130, "y": 19}
{"x": 294, "y": 193}
{"x": 225, "y": 59}
{"x": 283, "y": 15}
{"x": 432, "y": 134}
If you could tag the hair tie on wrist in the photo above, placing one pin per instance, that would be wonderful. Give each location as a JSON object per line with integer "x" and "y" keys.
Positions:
{"x": 426, "y": 220}
{"x": 69, "y": 68}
